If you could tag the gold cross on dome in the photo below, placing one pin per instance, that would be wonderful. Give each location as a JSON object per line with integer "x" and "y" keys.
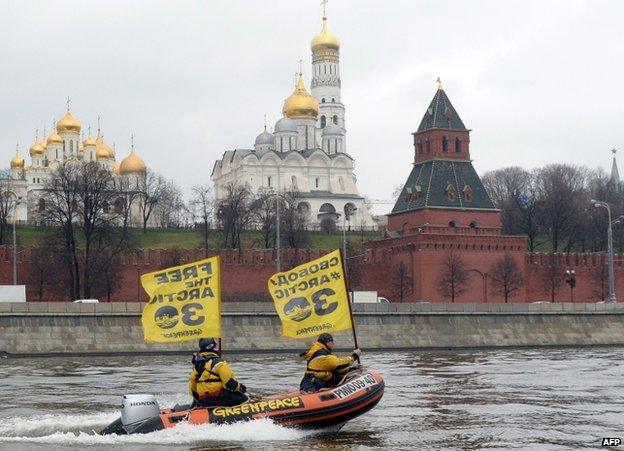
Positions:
{"x": 614, "y": 151}
{"x": 68, "y": 103}
{"x": 324, "y": 2}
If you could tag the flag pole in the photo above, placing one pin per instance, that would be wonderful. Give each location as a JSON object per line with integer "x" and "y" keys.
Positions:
{"x": 346, "y": 280}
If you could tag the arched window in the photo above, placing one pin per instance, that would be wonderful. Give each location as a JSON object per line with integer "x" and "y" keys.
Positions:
{"x": 323, "y": 100}
{"x": 327, "y": 208}
{"x": 427, "y": 146}
{"x": 323, "y": 121}
{"x": 119, "y": 205}
{"x": 269, "y": 181}
{"x": 63, "y": 148}
{"x": 444, "y": 144}
{"x": 341, "y": 183}
{"x": 457, "y": 145}
{"x": 452, "y": 224}
{"x": 333, "y": 100}
{"x": 293, "y": 180}
{"x": 335, "y": 120}
{"x": 419, "y": 147}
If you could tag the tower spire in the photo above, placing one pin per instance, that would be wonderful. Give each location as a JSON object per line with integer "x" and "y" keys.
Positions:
{"x": 615, "y": 174}
{"x": 439, "y": 81}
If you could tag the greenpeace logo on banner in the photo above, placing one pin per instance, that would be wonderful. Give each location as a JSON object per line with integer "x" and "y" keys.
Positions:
{"x": 611, "y": 441}
{"x": 355, "y": 385}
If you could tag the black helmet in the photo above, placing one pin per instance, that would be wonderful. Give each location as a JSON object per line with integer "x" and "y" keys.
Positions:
{"x": 325, "y": 338}
{"x": 207, "y": 344}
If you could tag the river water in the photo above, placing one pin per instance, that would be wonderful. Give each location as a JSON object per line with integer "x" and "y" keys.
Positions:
{"x": 498, "y": 399}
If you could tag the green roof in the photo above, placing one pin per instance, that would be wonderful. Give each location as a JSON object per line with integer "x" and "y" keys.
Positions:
{"x": 443, "y": 183}
{"x": 441, "y": 114}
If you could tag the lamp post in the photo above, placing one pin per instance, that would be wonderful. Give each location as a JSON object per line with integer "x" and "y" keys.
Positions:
{"x": 347, "y": 217}
{"x": 598, "y": 204}
{"x": 15, "y": 204}
{"x": 571, "y": 280}
{"x": 278, "y": 262}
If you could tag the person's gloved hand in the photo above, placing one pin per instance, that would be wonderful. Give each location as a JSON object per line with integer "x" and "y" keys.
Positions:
{"x": 357, "y": 353}
{"x": 242, "y": 388}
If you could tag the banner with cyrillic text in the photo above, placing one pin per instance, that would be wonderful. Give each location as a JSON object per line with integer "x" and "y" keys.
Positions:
{"x": 185, "y": 302}
{"x": 312, "y": 298}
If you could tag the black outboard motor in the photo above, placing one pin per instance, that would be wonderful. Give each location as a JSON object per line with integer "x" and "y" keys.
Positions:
{"x": 139, "y": 414}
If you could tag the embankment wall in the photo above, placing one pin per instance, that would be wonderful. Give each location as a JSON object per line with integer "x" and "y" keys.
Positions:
{"x": 45, "y": 328}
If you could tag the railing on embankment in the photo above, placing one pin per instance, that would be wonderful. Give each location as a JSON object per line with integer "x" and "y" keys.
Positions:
{"x": 60, "y": 328}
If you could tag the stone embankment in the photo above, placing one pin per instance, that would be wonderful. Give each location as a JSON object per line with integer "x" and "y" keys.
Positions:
{"x": 65, "y": 328}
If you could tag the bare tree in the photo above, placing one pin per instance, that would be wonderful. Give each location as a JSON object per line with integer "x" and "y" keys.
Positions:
{"x": 8, "y": 201}
{"x": 172, "y": 210}
{"x": 202, "y": 206}
{"x": 264, "y": 210}
{"x": 401, "y": 281}
{"x": 552, "y": 277}
{"x": 454, "y": 276}
{"x": 151, "y": 189}
{"x": 561, "y": 190}
{"x": 234, "y": 214}
{"x": 600, "y": 281}
{"x": 294, "y": 223}
{"x": 506, "y": 276}
{"x": 78, "y": 200}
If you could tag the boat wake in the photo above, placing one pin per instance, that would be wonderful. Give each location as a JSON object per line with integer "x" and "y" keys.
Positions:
{"x": 80, "y": 429}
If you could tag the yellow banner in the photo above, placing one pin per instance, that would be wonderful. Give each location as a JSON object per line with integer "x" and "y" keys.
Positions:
{"x": 185, "y": 302}
{"x": 312, "y": 298}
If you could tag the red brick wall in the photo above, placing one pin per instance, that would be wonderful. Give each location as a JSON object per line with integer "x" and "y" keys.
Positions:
{"x": 245, "y": 279}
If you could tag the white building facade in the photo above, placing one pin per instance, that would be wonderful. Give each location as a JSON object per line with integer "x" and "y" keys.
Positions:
{"x": 306, "y": 154}
{"x": 26, "y": 182}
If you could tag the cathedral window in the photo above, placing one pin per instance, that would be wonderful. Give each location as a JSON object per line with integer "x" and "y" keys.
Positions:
{"x": 341, "y": 183}
{"x": 457, "y": 145}
{"x": 323, "y": 100}
{"x": 63, "y": 148}
{"x": 269, "y": 181}
{"x": 293, "y": 179}
{"x": 335, "y": 120}
{"x": 419, "y": 147}
{"x": 323, "y": 120}
{"x": 468, "y": 193}
{"x": 445, "y": 143}
{"x": 316, "y": 181}
{"x": 41, "y": 205}
{"x": 71, "y": 146}
{"x": 333, "y": 100}
{"x": 427, "y": 146}
{"x": 451, "y": 194}
{"x": 119, "y": 205}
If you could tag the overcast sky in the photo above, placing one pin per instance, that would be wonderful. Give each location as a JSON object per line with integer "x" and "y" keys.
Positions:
{"x": 537, "y": 81}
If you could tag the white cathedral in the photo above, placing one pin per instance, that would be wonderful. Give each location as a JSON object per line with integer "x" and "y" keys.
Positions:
{"x": 27, "y": 182}
{"x": 307, "y": 152}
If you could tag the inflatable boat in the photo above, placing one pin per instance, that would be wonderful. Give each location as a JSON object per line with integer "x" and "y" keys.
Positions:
{"x": 356, "y": 394}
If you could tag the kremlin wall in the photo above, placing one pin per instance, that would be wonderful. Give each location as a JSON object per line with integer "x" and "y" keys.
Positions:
{"x": 245, "y": 280}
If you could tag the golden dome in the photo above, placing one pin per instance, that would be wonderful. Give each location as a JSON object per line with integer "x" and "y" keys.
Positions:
{"x": 116, "y": 170}
{"x": 68, "y": 124}
{"x": 17, "y": 162}
{"x": 300, "y": 104}
{"x": 36, "y": 149}
{"x": 43, "y": 144}
{"x": 325, "y": 39}
{"x": 132, "y": 164}
{"x": 54, "y": 139}
{"x": 89, "y": 142}
{"x": 102, "y": 150}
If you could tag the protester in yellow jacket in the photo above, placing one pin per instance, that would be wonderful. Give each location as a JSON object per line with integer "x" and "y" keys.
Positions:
{"x": 324, "y": 368}
{"x": 212, "y": 381}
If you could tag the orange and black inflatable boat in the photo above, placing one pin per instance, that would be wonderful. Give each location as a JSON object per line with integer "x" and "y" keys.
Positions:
{"x": 356, "y": 394}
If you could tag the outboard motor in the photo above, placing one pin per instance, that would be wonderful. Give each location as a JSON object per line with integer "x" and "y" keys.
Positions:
{"x": 139, "y": 414}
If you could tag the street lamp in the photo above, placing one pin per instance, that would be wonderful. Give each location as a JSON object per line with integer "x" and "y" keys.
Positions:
{"x": 349, "y": 211}
{"x": 571, "y": 280}
{"x": 16, "y": 202}
{"x": 598, "y": 204}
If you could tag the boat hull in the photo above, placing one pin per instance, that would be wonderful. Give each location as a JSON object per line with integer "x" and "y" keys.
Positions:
{"x": 359, "y": 392}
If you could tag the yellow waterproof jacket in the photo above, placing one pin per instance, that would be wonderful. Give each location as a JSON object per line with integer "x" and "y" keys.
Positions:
{"x": 322, "y": 364}
{"x": 210, "y": 375}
